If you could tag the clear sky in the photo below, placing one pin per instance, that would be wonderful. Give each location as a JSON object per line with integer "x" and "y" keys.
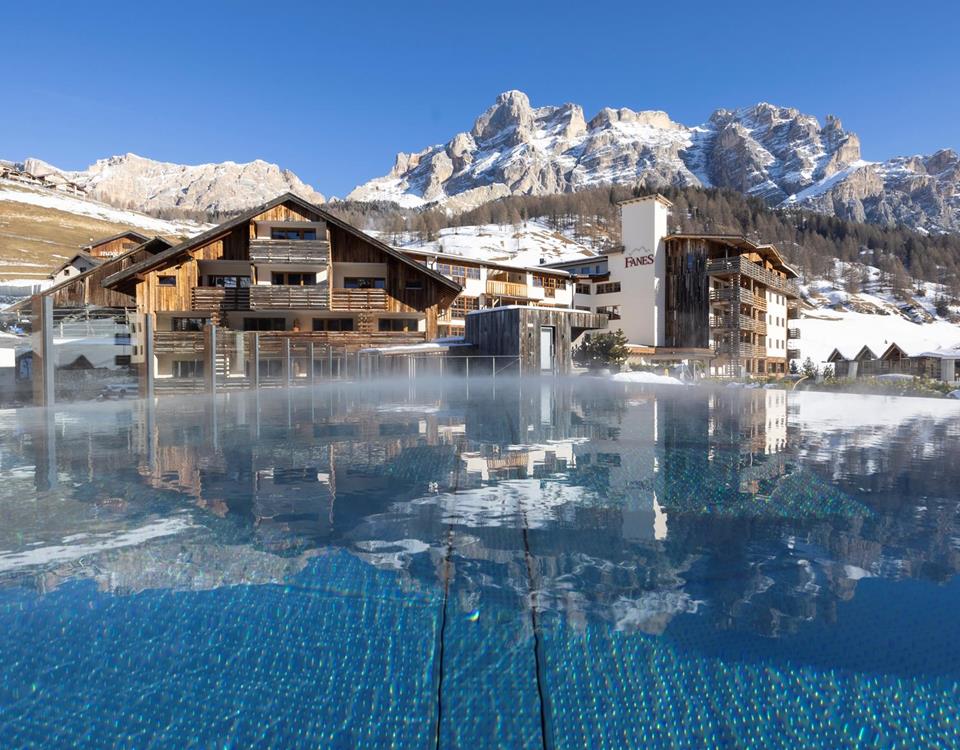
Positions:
{"x": 334, "y": 90}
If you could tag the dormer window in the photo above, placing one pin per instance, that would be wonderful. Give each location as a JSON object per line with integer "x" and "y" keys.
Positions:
{"x": 293, "y": 233}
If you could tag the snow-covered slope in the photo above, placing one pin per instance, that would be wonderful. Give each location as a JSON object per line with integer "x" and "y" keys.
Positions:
{"x": 526, "y": 244}
{"x": 131, "y": 181}
{"x": 773, "y": 152}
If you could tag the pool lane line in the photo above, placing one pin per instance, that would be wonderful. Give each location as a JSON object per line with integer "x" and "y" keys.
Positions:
{"x": 441, "y": 636}
{"x": 546, "y": 737}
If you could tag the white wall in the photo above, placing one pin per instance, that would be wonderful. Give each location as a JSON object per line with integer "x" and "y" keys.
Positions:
{"x": 641, "y": 270}
{"x": 776, "y": 339}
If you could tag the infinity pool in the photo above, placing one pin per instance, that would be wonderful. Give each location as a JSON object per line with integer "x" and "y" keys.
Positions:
{"x": 560, "y": 564}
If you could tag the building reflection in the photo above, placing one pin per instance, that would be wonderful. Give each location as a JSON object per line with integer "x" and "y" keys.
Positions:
{"x": 596, "y": 501}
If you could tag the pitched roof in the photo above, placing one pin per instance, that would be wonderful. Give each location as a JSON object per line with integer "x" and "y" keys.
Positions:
{"x": 204, "y": 237}
{"x": 129, "y": 233}
{"x": 79, "y": 254}
{"x": 652, "y": 196}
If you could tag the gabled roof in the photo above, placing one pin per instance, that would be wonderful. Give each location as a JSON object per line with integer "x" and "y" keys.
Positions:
{"x": 865, "y": 350}
{"x": 79, "y": 254}
{"x": 203, "y": 238}
{"x": 119, "y": 235}
{"x": 739, "y": 241}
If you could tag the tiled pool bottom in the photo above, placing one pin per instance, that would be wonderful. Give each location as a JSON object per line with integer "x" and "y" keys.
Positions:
{"x": 625, "y": 578}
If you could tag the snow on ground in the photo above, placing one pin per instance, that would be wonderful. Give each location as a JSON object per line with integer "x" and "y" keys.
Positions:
{"x": 823, "y": 330}
{"x": 46, "y": 198}
{"x": 521, "y": 245}
{"x": 646, "y": 377}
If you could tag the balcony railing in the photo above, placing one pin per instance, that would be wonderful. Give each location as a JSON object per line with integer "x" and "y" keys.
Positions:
{"x": 358, "y": 299}
{"x": 738, "y": 322}
{"x": 217, "y": 300}
{"x": 740, "y": 350}
{"x": 314, "y": 252}
{"x": 507, "y": 289}
{"x": 178, "y": 342}
{"x": 289, "y": 297}
{"x": 793, "y": 333}
{"x": 741, "y": 265}
{"x": 738, "y": 294}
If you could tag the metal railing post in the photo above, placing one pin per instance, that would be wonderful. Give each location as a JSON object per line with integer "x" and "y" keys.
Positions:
{"x": 146, "y": 331}
{"x": 210, "y": 355}
{"x": 310, "y": 366}
{"x": 255, "y": 375}
{"x": 287, "y": 369}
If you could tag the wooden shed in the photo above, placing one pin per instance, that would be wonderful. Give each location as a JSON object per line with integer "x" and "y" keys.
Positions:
{"x": 541, "y": 338}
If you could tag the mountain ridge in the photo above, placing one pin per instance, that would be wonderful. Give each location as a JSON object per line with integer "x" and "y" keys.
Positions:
{"x": 776, "y": 153}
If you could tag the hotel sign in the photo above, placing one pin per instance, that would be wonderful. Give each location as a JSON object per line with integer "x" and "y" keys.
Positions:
{"x": 639, "y": 257}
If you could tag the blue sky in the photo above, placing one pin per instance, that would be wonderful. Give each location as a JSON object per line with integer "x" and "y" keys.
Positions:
{"x": 334, "y": 90}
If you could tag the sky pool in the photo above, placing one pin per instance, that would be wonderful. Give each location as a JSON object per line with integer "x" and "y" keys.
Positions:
{"x": 548, "y": 564}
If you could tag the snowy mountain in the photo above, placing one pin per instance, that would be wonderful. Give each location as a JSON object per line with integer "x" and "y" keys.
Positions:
{"x": 776, "y": 153}
{"x": 131, "y": 181}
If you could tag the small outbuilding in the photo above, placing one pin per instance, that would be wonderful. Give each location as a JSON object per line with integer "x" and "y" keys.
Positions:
{"x": 540, "y": 338}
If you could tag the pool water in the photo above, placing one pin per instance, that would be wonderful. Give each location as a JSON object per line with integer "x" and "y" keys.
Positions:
{"x": 536, "y": 564}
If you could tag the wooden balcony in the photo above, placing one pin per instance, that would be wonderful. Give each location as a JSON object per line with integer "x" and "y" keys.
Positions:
{"x": 793, "y": 333}
{"x": 739, "y": 294}
{"x": 218, "y": 300}
{"x": 507, "y": 289}
{"x": 290, "y": 297}
{"x": 738, "y": 323}
{"x": 178, "y": 342}
{"x": 314, "y": 252}
{"x": 741, "y": 350}
{"x": 358, "y": 299}
{"x": 741, "y": 265}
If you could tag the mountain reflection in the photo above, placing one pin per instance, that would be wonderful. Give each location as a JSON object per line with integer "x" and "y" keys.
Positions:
{"x": 591, "y": 501}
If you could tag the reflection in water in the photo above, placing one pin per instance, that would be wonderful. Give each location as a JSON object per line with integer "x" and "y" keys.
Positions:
{"x": 572, "y": 510}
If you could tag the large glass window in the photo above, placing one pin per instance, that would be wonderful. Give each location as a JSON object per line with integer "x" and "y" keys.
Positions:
{"x": 609, "y": 288}
{"x": 292, "y": 233}
{"x": 229, "y": 282}
{"x": 187, "y": 368}
{"x": 189, "y": 324}
{"x": 333, "y": 324}
{"x": 406, "y": 325}
{"x": 293, "y": 279}
{"x": 364, "y": 282}
{"x": 167, "y": 280}
{"x": 264, "y": 324}
{"x": 457, "y": 272}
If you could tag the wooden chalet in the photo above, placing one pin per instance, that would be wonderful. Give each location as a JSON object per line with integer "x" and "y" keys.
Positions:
{"x": 115, "y": 245}
{"x": 77, "y": 264}
{"x": 289, "y": 271}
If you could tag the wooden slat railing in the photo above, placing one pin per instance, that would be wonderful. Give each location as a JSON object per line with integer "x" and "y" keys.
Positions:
{"x": 289, "y": 297}
{"x": 314, "y": 252}
{"x": 507, "y": 289}
{"x": 741, "y": 265}
{"x": 358, "y": 299}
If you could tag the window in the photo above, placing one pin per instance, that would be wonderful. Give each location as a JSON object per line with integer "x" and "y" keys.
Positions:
{"x": 458, "y": 273}
{"x": 583, "y": 289}
{"x": 187, "y": 368}
{"x": 293, "y": 279}
{"x": 167, "y": 280}
{"x": 611, "y": 311}
{"x": 229, "y": 282}
{"x": 414, "y": 285}
{"x": 292, "y": 233}
{"x": 406, "y": 325}
{"x": 333, "y": 324}
{"x": 364, "y": 282}
{"x": 608, "y": 288}
{"x": 189, "y": 324}
{"x": 264, "y": 324}
{"x": 462, "y": 305}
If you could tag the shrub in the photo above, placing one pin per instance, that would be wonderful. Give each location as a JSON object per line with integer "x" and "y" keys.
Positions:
{"x": 603, "y": 350}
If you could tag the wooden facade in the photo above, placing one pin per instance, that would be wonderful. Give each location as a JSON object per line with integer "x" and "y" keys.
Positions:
{"x": 522, "y": 332}
{"x": 250, "y": 273}
{"x": 741, "y": 290}
{"x": 116, "y": 245}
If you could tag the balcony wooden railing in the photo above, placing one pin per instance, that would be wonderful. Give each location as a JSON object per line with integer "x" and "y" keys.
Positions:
{"x": 217, "y": 300}
{"x": 178, "y": 342}
{"x": 507, "y": 289}
{"x": 793, "y": 333}
{"x": 741, "y": 265}
{"x": 314, "y": 252}
{"x": 740, "y": 350}
{"x": 358, "y": 299}
{"x": 739, "y": 322}
{"x": 289, "y": 297}
{"x": 738, "y": 294}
